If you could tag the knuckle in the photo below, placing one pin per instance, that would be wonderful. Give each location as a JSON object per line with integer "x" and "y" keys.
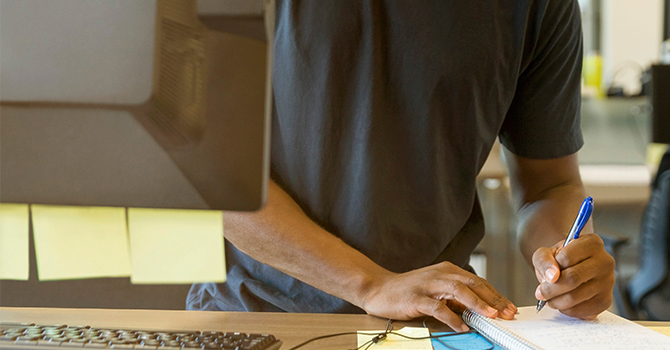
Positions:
{"x": 435, "y": 307}
{"x": 453, "y": 285}
{"x": 448, "y": 264}
{"x": 473, "y": 281}
{"x": 546, "y": 291}
{"x": 570, "y": 299}
{"x": 595, "y": 239}
{"x": 445, "y": 265}
{"x": 609, "y": 263}
{"x": 606, "y": 301}
{"x": 497, "y": 300}
{"x": 563, "y": 259}
{"x": 539, "y": 255}
{"x": 572, "y": 277}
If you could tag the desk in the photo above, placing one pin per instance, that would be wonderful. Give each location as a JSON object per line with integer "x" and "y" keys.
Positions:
{"x": 292, "y": 329}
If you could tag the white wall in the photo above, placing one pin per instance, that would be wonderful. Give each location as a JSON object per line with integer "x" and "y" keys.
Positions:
{"x": 632, "y": 32}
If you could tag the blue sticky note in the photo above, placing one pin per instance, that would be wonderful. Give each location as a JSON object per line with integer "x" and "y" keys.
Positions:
{"x": 468, "y": 341}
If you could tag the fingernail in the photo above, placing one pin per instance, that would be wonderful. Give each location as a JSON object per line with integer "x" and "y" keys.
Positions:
{"x": 538, "y": 294}
{"x": 509, "y": 313}
{"x": 491, "y": 311}
{"x": 464, "y": 328}
{"x": 551, "y": 272}
{"x": 514, "y": 308}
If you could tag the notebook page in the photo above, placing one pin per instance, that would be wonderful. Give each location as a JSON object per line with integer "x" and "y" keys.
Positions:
{"x": 549, "y": 329}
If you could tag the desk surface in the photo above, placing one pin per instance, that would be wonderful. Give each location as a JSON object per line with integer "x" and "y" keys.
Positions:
{"x": 292, "y": 329}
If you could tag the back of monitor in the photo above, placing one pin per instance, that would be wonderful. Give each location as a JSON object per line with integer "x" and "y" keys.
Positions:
{"x": 129, "y": 103}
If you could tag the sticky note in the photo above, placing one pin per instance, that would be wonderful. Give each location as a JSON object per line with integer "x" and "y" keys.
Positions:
{"x": 655, "y": 152}
{"x": 393, "y": 341}
{"x": 176, "y": 246}
{"x": 80, "y": 242}
{"x": 14, "y": 226}
{"x": 662, "y": 330}
{"x": 450, "y": 341}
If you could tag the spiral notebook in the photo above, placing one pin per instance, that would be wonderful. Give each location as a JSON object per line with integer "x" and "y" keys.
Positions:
{"x": 549, "y": 330}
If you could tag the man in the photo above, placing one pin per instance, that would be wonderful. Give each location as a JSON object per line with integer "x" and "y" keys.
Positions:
{"x": 385, "y": 112}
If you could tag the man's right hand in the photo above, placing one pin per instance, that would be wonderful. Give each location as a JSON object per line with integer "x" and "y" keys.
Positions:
{"x": 441, "y": 291}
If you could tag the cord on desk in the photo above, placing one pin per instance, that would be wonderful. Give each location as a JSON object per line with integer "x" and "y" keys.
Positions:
{"x": 383, "y": 335}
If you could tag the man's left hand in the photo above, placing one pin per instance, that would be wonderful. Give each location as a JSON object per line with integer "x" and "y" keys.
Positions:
{"x": 577, "y": 279}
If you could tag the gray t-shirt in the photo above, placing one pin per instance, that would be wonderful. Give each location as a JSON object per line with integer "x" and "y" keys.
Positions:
{"x": 385, "y": 111}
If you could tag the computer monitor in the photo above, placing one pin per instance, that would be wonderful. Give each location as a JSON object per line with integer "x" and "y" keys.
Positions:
{"x": 131, "y": 103}
{"x": 660, "y": 100}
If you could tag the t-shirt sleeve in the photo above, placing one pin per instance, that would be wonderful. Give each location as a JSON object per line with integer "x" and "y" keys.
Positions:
{"x": 543, "y": 120}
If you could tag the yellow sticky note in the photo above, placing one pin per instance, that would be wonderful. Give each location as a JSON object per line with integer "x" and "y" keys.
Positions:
{"x": 655, "y": 153}
{"x": 14, "y": 261}
{"x": 393, "y": 341}
{"x": 176, "y": 246}
{"x": 80, "y": 242}
{"x": 662, "y": 330}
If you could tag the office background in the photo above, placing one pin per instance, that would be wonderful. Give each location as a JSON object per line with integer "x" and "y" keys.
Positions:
{"x": 625, "y": 34}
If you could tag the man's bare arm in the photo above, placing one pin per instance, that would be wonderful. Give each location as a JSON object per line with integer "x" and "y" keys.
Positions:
{"x": 283, "y": 236}
{"x": 547, "y": 194}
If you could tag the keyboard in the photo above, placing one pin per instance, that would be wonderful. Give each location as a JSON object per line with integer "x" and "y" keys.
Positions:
{"x": 20, "y": 336}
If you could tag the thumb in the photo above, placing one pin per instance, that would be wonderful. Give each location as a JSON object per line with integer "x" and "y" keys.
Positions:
{"x": 545, "y": 264}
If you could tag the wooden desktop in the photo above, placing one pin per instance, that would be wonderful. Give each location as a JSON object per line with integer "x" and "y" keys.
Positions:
{"x": 291, "y": 328}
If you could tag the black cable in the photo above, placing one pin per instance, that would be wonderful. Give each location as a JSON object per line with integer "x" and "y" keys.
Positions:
{"x": 383, "y": 335}
{"x": 321, "y": 337}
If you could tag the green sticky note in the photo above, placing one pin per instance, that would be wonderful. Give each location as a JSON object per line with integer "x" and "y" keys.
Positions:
{"x": 176, "y": 246}
{"x": 80, "y": 242}
{"x": 14, "y": 261}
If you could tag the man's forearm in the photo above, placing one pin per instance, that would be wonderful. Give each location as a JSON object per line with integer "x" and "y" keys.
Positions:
{"x": 576, "y": 279}
{"x": 284, "y": 237}
{"x": 548, "y": 218}
{"x": 546, "y": 195}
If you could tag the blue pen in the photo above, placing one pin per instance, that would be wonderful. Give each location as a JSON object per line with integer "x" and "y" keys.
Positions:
{"x": 582, "y": 218}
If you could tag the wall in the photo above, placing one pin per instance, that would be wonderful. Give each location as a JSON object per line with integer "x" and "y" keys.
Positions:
{"x": 631, "y": 37}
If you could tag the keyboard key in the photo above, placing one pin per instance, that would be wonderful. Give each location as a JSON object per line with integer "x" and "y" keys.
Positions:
{"x": 48, "y": 343}
{"x": 26, "y": 342}
{"x": 95, "y": 345}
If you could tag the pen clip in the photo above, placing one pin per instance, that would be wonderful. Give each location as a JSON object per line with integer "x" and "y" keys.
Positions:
{"x": 584, "y": 216}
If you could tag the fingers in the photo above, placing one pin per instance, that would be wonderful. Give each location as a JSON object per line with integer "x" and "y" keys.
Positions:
{"x": 575, "y": 297}
{"x": 589, "y": 309}
{"x": 569, "y": 279}
{"x": 442, "y": 291}
{"x": 584, "y": 287}
{"x": 546, "y": 265}
{"x": 579, "y": 250}
{"x": 439, "y": 310}
{"x": 483, "y": 289}
{"x": 477, "y": 294}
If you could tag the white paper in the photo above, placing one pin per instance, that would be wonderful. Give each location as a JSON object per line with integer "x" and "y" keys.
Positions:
{"x": 549, "y": 329}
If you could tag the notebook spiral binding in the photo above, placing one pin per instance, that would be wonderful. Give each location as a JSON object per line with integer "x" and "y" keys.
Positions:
{"x": 496, "y": 333}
